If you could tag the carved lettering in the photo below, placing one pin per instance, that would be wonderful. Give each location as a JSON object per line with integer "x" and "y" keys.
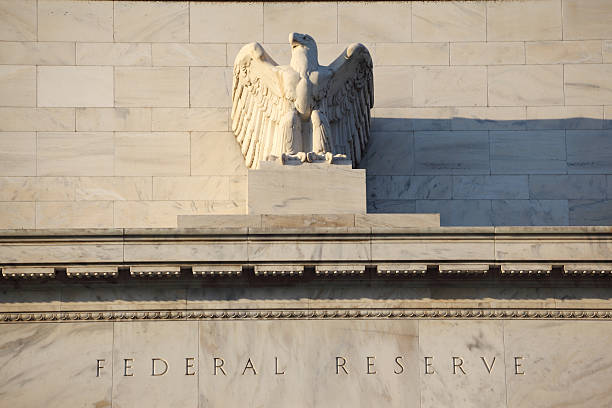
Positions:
{"x": 517, "y": 366}
{"x": 276, "y": 371}
{"x": 216, "y": 361}
{"x": 340, "y": 363}
{"x": 370, "y": 361}
{"x": 488, "y": 367}
{"x": 399, "y": 364}
{"x": 127, "y": 365}
{"x": 99, "y": 367}
{"x": 188, "y": 365}
{"x": 249, "y": 365}
{"x": 428, "y": 365}
{"x": 457, "y": 362}
{"x": 160, "y": 366}
{"x": 157, "y": 374}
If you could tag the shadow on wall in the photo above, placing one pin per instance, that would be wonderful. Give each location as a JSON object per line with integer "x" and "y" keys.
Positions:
{"x": 492, "y": 172}
{"x": 231, "y": 293}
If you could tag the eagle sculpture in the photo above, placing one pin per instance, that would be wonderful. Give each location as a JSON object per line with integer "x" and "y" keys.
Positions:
{"x": 302, "y": 111}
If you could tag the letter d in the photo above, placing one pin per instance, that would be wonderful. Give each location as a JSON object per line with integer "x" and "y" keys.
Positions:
{"x": 153, "y": 373}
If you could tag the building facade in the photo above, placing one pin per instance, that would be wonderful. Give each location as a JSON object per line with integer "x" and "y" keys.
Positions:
{"x": 465, "y": 263}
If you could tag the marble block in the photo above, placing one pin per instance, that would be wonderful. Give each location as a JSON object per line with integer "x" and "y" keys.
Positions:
{"x": 307, "y": 363}
{"x": 157, "y": 356}
{"x": 307, "y": 354}
{"x": 54, "y": 365}
{"x": 467, "y": 371}
{"x": 311, "y": 188}
{"x": 569, "y": 361}
{"x": 397, "y": 220}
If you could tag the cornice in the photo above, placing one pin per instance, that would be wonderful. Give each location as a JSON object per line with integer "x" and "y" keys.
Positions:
{"x": 348, "y": 252}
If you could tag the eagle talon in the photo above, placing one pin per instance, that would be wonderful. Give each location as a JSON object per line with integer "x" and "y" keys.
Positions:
{"x": 311, "y": 157}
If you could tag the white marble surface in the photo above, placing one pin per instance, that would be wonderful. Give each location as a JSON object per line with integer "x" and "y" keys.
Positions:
{"x": 530, "y": 212}
{"x": 459, "y": 351}
{"x": 96, "y": 252}
{"x": 308, "y": 188}
{"x": 419, "y": 249}
{"x": 302, "y": 363}
{"x": 564, "y": 365}
{"x": 54, "y": 365}
{"x": 531, "y": 152}
{"x": 287, "y": 250}
{"x": 212, "y": 250}
{"x": 589, "y": 151}
{"x": 142, "y": 342}
{"x": 306, "y": 353}
{"x": 532, "y": 75}
{"x": 470, "y": 152}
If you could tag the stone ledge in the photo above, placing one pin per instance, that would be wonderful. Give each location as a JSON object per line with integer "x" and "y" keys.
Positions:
{"x": 311, "y": 245}
{"x": 113, "y": 233}
{"x": 75, "y": 234}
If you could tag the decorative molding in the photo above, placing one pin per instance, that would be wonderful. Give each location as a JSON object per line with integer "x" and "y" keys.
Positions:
{"x": 78, "y": 272}
{"x": 28, "y": 272}
{"x": 587, "y": 269}
{"x": 81, "y": 272}
{"x": 464, "y": 268}
{"x": 310, "y": 314}
{"x": 526, "y": 269}
{"x": 334, "y": 270}
{"x": 401, "y": 269}
{"x": 216, "y": 270}
{"x": 279, "y": 270}
{"x": 155, "y": 271}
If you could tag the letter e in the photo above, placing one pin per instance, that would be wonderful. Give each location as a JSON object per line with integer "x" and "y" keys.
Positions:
{"x": 188, "y": 365}
{"x": 517, "y": 365}
{"x": 428, "y": 365}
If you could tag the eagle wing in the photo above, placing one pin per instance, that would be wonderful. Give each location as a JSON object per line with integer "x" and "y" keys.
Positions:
{"x": 258, "y": 103}
{"x": 349, "y": 97}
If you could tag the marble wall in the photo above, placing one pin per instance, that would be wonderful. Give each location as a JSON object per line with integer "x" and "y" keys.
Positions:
{"x": 115, "y": 114}
{"x": 307, "y": 363}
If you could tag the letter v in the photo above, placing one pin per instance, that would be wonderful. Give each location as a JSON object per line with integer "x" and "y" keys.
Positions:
{"x": 489, "y": 368}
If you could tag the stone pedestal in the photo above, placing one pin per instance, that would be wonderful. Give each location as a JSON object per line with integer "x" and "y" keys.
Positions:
{"x": 307, "y": 188}
{"x": 310, "y": 221}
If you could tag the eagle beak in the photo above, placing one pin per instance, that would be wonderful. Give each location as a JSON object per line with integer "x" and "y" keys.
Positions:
{"x": 293, "y": 39}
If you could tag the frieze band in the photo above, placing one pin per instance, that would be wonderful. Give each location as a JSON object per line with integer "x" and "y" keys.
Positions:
{"x": 160, "y": 366}
{"x": 310, "y": 314}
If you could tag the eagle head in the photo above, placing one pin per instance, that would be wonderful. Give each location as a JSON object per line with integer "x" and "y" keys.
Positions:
{"x": 303, "y": 51}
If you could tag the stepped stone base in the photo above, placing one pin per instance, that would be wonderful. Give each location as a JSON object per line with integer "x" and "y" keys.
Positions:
{"x": 310, "y": 220}
{"x": 307, "y": 188}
